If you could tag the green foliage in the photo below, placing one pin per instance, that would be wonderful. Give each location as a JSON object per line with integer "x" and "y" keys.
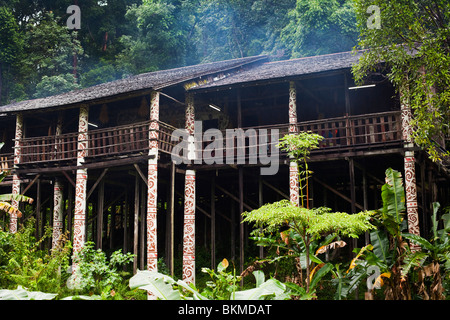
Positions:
{"x": 99, "y": 275}
{"x": 53, "y": 85}
{"x": 393, "y": 196}
{"x": 315, "y": 222}
{"x": 413, "y": 46}
{"x": 306, "y": 227}
{"x": 222, "y": 286}
{"x": 320, "y": 27}
{"x": 298, "y": 146}
{"x": 22, "y": 263}
{"x": 23, "y": 294}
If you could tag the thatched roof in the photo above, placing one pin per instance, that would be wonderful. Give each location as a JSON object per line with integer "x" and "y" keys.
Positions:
{"x": 253, "y": 72}
{"x": 146, "y": 81}
{"x": 282, "y": 70}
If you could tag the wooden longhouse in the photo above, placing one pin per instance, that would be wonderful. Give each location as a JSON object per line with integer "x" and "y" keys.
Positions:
{"x": 98, "y": 160}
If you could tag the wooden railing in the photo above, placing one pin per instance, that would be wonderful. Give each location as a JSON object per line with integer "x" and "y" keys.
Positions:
{"x": 368, "y": 130}
{"x": 107, "y": 142}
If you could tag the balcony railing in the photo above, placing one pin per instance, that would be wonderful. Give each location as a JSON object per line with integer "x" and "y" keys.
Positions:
{"x": 365, "y": 131}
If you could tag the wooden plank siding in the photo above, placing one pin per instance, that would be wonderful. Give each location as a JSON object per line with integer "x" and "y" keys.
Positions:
{"x": 364, "y": 131}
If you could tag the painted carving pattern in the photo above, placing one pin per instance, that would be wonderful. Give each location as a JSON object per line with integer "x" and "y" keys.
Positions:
{"x": 82, "y": 135}
{"x": 293, "y": 183}
{"x": 152, "y": 252}
{"x": 293, "y": 168}
{"x": 57, "y": 212}
{"x": 410, "y": 175}
{"x": 190, "y": 115}
{"x": 406, "y": 120}
{"x": 79, "y": 228}
{"x": 16, "y": 179}
{"x": 189, "y": 228}
{"x": 80, "y": 210}
{"x": 292, "y": 108}
{"x": 152, "y": 191}
{"x": 154, "y": 116}
{"x": 411, "y": 194}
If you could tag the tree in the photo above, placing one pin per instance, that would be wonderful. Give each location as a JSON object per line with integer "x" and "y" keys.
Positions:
{"x": 11, "y": 45}
{"x": 412, "y": 46}
{"x": 320, "y": 27}
{"x": 49, "y": 50}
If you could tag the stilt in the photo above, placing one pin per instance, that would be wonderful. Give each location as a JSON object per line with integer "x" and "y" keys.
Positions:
{"x": 172, "y": 219}
{"x": 241, "y": 225}
{"x": 410, "y": 171}
{"x": 58, "y": 207}
{"x": 152, "y": 194}
{"x": 136, "y": 222}
{"x": 100, "y": 212}
{"x": 79, "y": 221}
{"x": 16, "y": 179}
{"x": 189, "y": 204}
{"x": 213, "y": 222}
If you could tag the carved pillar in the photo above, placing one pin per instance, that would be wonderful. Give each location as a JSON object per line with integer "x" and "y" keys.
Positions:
{"x": 16, "y": 179}
{"x": 79, "y": 227}
{"x": 58, "y": 208}
{"x": 293, "y": 167}
{"x": 410, "y": 171}
{"x": 189, "y": 204}
{"x": 152, "y": 200}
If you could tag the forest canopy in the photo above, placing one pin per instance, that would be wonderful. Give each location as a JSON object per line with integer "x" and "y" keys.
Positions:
{"x": 40, "y": 56}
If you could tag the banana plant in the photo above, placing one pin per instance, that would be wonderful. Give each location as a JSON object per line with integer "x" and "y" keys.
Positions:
{"x": 432, "y": 259}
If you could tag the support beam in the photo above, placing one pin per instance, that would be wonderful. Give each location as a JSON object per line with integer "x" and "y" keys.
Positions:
{"x": 232, "y": 196}
{"x": 343, "y": 196}
{"x": 16, "y": 179}
{"x": 99, "y": 179}
{"x": 69, "y": 179}
{"x": 31, "y": 184}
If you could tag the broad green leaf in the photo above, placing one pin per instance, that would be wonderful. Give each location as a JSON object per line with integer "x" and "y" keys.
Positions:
{"x": 380, "y": 244}
{"x": 157, "y": 283}
{"x": 320, "y": 274}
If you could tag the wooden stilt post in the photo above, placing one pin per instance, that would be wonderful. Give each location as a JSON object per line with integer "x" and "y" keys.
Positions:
{"x": 136, "y": 223}
{"x": 79, "y": 221}
{"x": 38, "y": 209}
{"x": 152, "y": 190}
{"x": 16, "y": 179}
{"x": 100, "y": 209}
{"x": 189, "y": 204}
{"x": 142, "y": 227}
{"x": 260, "y": 204}
{"x": 241, "y": 225}
{"x": 58, "y": 207}
{"x": 172, "y": 219}
{"x": 58, "y": 204}
{"x": 410, "y": 170}
{"x": 293, "y": 167}
{"x": 213, "y": 222}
